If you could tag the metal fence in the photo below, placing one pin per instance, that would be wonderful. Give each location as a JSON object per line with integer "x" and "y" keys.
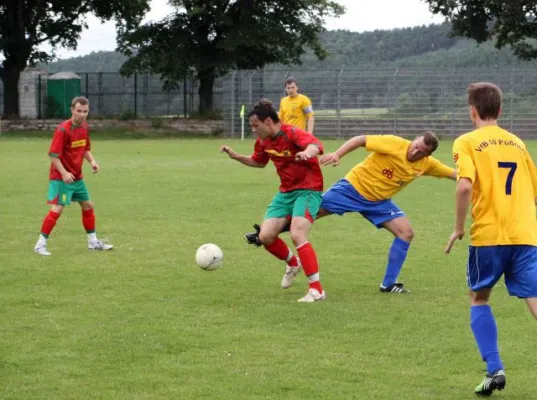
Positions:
{"x": 346, "y": 101}
{"x": 403, "y": 101}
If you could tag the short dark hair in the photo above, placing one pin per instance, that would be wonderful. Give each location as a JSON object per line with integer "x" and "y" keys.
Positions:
{"x": 486, "y": 98}
{"x": 264, "y": 109}
{"x": 430, "y": 140}
{"x": 290, "y": 80}
{"x": 79, "y": 100}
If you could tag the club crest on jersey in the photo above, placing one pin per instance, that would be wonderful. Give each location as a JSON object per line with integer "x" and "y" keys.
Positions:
{"x": 78, "y": 143}
{"x": 388, "y": 173}
{"x": 285, "y": 153}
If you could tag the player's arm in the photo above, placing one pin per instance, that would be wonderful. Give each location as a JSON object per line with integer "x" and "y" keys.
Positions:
{"x": 440, "y": 170}
{"x": 533, "y": 173}
{"x": 350, "y": 145}
{"x": 89, "y": 158}
{"x": 308, "y": 113}
{"x": 56, "y": 151}
{"x": 466, "y": 173}
{"x": 249, "y": 161}
{"x": 310, "y": 145}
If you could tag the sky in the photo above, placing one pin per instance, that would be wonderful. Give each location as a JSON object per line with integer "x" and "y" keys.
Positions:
{"x": 360, "y": 16}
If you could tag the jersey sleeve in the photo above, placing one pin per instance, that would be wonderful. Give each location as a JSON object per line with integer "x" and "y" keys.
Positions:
{"x": 438, "y": 169}
{"x": 307, "y": 107}
{"x": 281, "y": 111}
{"x": 464, "y": 161}
{"x": 384, "y": 144}
{"x": 259, "y": 155}
{"x": 57, "y": 145}
{"x": 303, "y": 139}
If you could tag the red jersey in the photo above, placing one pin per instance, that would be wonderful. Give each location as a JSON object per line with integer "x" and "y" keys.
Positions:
{"x": 281, "y": 149}
{"x": 69, "y": 144}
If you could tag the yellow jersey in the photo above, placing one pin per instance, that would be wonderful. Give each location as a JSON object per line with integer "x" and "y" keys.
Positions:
{"x": 386, "y": 170}
{"x": 295, "y": 110}
{"x": 504, "y": 181}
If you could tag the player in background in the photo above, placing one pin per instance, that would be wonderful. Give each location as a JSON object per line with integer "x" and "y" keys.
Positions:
{"x": 69, "y": 148}
{"x": 495, "y": 173}
{"x": 294, "y": 154}
{"x": 368, "y": 189}
{"x": 295, "y": 108}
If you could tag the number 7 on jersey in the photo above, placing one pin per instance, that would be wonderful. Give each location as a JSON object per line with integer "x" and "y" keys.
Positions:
{"x": 512, "y": 168}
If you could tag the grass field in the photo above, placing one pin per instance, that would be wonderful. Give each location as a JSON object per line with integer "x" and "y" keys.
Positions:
{"x": 144, "y": 322}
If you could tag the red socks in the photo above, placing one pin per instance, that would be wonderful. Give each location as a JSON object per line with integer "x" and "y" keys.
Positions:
{"x": 308, "y": 258}
{"x": 88, "y": 220}
{"x": 279, "y": 249}
{"x": 49, "y": 222}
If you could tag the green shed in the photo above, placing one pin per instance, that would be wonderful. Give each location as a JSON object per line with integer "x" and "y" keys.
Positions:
{"x": 62, "y": 87}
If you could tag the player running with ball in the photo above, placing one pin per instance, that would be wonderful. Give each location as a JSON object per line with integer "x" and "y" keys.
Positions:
{"x": 294, "y": 154}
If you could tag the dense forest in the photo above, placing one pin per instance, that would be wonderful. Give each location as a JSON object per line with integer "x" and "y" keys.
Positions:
{"x": 423, "y": 46}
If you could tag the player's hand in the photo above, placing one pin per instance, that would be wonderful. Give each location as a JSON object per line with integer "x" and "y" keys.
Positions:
{"x": 95, "y": 167}
{"x": 454, "y": 236}
{"x": 302, "y": 156}
{"x": 68, "y": 177}
{"x": 330, "y": 159}
{"x": 226, "y": 149}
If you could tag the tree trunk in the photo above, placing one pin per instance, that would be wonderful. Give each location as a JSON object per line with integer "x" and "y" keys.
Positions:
{"x": 206, "y": 79}
{"x": 10, "y": 77}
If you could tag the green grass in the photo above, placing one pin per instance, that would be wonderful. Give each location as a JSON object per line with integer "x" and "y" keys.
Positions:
{"x": 144, "y": 322}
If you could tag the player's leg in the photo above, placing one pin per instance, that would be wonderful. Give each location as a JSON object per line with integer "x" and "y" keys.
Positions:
{"x": 81, "y": 195}
{"x": 276, "y": 217}
{"x": 58, "y": 196}
{"x": 402, "y": 230}
{"x": 305, "y": 209}
{"x": 485, "y": 267}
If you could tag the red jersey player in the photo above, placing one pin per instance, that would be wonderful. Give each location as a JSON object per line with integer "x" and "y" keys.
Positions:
{"x": 70, "y": 146}
{"x": 294, "y": 154}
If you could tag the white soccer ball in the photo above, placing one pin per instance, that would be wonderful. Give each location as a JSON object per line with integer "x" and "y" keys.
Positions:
{"x": 209, "y": 257}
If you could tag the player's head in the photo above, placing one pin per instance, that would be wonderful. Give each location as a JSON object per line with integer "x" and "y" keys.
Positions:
{"x": 485, "y": 101}
{"x": 291, "y": 87}
{"x": 79, "y": 110}
{"x": 264, "y": 119}
{"x": 423, "y": 146}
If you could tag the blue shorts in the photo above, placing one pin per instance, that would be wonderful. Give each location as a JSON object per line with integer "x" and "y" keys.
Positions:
{"x": 343, "y": 198}
{"x": 518, "y": 264}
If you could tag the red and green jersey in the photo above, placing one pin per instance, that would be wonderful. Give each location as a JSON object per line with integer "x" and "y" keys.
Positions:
{"x": 69, "y": 144}
{"x": 281, "y": 149}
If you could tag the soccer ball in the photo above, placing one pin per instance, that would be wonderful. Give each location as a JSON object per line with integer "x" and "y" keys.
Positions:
{"x": 209, "y": 257}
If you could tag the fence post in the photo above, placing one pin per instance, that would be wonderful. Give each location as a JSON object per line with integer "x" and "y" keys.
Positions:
{"x": 512, "y": 95}
{"x": 338, "y": 101}
{"x": 233, "y": 104}
{"x": 250, "y": 78}
{"x": 135, "y": 95}
{"x": 394, "y": 100}
{"x": 453, "y": 105}
{"x": 99, "y": 90}
{"x": 39, "y": 96}
{"x": 87, "y": 86}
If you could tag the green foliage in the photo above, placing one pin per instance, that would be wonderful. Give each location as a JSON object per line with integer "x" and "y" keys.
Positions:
{"x": 509, "y": 23}
{"x": 24, "y": 25}
{"x": 208, "y": 38}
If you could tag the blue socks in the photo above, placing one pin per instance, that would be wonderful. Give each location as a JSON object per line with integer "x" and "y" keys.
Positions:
{"x": 396, "y": 258}
{"x": 486, "y": 335}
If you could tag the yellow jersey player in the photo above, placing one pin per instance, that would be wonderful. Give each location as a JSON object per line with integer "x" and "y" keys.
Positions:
{"x": 295, "y": 108}
{"x": 496, "y": 174}
{"x": 368, "y": 189}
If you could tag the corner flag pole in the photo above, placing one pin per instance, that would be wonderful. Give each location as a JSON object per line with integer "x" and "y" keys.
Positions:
{"x": 242, "y": 122}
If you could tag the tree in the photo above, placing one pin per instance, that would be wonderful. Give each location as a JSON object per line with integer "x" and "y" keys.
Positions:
{"x": 26, "y": 24}
{"x": 512, "y": 22}
{"x": 208, "y": 38}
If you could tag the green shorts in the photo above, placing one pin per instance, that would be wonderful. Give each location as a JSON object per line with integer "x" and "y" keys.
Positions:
{"x": 298, "y": 203}
{"x": 63, "y": 193}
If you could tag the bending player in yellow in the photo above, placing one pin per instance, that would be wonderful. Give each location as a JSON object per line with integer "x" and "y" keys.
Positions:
{"x": 496, "y": 174}
{"x": 368, "y": 189}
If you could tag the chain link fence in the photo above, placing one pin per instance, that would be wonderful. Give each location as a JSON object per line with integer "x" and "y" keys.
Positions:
{"x": 346, "y": 101}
